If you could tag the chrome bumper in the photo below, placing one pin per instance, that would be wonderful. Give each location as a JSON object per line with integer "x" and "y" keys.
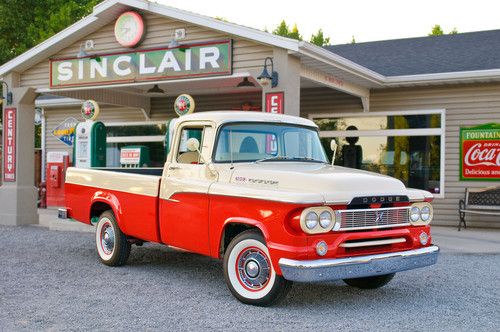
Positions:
{"x": 357, "y": 267}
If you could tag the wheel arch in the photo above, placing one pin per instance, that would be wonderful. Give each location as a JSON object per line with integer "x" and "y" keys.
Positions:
{"x": 103, "y": 201}
{"x": 234, "y": 226}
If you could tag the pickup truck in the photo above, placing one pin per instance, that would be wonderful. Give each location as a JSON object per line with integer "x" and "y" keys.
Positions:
{"x": 257, "y": 191}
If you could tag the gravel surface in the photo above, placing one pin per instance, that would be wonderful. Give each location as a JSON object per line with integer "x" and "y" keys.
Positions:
{"x": 54, "y": 281}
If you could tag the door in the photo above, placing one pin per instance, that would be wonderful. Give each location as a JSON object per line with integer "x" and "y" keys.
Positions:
{"x": 184, "y": 190}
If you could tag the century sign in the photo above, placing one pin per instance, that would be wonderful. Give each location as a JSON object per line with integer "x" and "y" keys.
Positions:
{"x": 9, "y": 145}
{"x": 190, "y": 60}
{"x": 480, "y": 152}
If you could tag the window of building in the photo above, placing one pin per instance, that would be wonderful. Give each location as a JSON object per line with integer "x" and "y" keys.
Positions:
{"x": 406, "y": 145}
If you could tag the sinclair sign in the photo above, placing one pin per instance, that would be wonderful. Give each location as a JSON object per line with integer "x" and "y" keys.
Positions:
{"x": 185, "y": 61}
{"x": 480, "y": 153}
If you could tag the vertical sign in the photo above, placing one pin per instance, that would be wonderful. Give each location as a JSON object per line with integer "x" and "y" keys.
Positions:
{"x": 275, "y": 102}
{"x": 9, "y": 145}
{"x": 480, "y": 153}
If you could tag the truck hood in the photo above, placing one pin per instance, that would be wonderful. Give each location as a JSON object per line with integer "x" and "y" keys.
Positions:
{"x": 334, "y": 184}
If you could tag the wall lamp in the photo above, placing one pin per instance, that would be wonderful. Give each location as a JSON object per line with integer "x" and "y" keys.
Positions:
{"x": 265, "y": 78}
{"x": 9, "y": 93}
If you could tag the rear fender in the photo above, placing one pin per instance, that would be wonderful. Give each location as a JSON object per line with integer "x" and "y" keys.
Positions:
{"x": 111, "y": 200}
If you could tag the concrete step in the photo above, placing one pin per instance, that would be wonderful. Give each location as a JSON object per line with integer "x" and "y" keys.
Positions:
{"x": 48, "y": 218}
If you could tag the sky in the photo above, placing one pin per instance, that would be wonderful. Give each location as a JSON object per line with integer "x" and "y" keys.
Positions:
{"x": 365, "y": 20}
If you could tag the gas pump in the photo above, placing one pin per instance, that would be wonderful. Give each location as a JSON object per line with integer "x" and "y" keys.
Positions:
{"x": 57, "y": 163}
{"x": 90, "y": 138}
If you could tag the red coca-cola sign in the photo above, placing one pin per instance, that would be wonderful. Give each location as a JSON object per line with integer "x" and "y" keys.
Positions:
{"x": 480, "y": 152}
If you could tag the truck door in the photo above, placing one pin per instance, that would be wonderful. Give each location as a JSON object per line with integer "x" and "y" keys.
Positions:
{"x": 184, "y": 190}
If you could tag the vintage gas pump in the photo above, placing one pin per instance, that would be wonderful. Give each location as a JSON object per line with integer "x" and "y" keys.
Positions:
{"x": 90, "y": 138}
{"x": 184, "y": 104}
{"x": 57, "y": 163}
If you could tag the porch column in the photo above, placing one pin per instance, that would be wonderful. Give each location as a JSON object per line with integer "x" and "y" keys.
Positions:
{"x": 18, "y": 198}
{"x": 288, "y": 69}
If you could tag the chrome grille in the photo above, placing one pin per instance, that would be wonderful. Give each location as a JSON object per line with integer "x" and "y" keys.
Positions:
{"x": 372, "y": 218}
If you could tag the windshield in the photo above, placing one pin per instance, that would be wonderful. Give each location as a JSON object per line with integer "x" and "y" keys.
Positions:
{"x": 260, "y": 142}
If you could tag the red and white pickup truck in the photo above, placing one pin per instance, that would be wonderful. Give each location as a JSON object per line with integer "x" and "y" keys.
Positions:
{"x": 257, "y": 191}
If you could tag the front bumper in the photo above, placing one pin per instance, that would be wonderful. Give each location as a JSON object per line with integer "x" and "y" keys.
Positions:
{"x": 357, "y": 267}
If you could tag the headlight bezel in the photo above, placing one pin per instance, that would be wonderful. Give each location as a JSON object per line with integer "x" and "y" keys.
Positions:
{"x": 420, "y": 221}
{"x": 318, "y": 229}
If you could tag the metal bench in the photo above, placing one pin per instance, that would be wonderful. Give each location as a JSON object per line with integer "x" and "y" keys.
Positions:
{"x": 484, "y": 201}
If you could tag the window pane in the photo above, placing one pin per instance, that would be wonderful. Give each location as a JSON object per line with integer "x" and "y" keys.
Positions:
{"x": 415, "y": 160}
{"x": 184, "y": 156}
{"x": 138, "y": 130}
{"x": 380, "y": 122}
{"x": 156, "y": 153}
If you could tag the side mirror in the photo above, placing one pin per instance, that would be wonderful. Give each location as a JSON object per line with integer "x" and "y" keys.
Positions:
{"x": 333, "y": 146}
{"x": 193, "y": 144}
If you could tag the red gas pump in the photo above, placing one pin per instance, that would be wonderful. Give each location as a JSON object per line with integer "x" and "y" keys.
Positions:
{"x": 57, "y": 163}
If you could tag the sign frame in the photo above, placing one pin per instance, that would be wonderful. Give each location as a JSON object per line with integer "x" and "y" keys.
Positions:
{"x": 229, "y": 71}
{"x": 9, "y": 176}
{"x": 483, "y": 127}
{"x": 73, "y": 134}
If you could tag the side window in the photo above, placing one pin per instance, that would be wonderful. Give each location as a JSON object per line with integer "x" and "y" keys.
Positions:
{"x": 184, "y": 156}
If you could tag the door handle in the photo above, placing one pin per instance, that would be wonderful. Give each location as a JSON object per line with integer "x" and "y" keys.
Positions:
{"x": 172, "y": 168}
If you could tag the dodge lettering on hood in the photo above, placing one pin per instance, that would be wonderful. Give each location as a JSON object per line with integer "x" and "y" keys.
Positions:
{"x": 258, "y": 191}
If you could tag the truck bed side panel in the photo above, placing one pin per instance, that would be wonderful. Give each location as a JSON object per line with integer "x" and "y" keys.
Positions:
{"x": 133, "y": 198}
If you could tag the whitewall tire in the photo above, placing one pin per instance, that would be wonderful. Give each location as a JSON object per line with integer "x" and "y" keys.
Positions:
{"x": 112, "y": 245}
{"x": 249, "y": 273}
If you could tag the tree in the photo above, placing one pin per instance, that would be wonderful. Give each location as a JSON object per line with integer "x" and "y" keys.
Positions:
{"x": 353, "y": 40}
{"x": 283, "y": 30}
{"x": 436, "y": 31}
{"x": 319, "y": 39}
{"x": 26, "y": 23}
{"x": 453, "y": 32}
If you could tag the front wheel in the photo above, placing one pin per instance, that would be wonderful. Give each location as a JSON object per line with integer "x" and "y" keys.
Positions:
{"x": 249, "y": 273}
{"x": 112, "y": 245}
{"x": 370, "y": 282}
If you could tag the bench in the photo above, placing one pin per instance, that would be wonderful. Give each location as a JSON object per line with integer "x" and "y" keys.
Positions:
{"x": 484, "y": 201}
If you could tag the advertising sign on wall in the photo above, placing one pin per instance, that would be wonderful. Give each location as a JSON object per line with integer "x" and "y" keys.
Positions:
{"x": 184, "y": 61}
{"x": 65, "y": 131}
{"x": 9, "y": 144}
{"x": 480, "y": 152}
{"x": 275, "y": 102}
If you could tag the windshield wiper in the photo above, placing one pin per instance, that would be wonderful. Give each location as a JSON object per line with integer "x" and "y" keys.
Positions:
{"x": 280, "y": 158}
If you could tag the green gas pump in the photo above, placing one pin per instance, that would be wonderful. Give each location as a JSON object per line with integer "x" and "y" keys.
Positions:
{"x": 90, "y": 139}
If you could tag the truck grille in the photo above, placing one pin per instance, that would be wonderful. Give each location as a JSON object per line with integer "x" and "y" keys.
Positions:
{"x": 373, "y": 218}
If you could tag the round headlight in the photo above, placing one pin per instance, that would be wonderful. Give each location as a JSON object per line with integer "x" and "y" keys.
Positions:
{"x": 425, "y": 213}
{"x": 311, "y": 220}
{"x": 325, "y": 219}
{"x": 414, "y": 214}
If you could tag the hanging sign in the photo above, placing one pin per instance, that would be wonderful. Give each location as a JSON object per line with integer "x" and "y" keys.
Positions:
{"x": 90, "y": 110}
{"x": 275, "y": 102}
{"x": 65, "y": 131}
{"x": 184, "y": 104}
{"x": 184, "y": 61}
{"x": 480, "y": 152}
{"x": 9, "y": 144}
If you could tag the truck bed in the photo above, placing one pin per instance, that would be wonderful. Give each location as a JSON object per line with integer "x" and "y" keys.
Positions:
{"x": 132, "y": 194}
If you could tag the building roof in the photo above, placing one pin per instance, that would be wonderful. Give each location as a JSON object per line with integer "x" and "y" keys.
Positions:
{"x": 462, "y": 52}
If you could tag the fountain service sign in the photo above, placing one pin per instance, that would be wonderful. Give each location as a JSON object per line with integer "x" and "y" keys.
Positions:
{"x": 480, "y": 153}
{"x": 185, "y": 61}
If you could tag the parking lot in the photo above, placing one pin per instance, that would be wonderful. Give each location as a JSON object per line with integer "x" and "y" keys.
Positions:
{"x": 52, "y": 280}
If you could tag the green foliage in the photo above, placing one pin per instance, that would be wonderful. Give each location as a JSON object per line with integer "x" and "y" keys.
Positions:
{"x": 353, "y": 40}
{"x": 436, "y": 31}
{"x": 453, "y": 32}
{"x": 283, "y": 30}
{"x": 26, "y": 23}
{"x": 319, "y": 39}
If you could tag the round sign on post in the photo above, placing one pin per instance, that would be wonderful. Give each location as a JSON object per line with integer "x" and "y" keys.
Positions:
{"x": 90, "y": 110}
{"x": 129, "y": 29}
{"x": 184, "y": 104}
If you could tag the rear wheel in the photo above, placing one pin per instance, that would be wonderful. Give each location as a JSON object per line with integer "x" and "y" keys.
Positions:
{"x": 370, "y": 282}
{"x": 112, "y": 245}
{"x": 249, "y": 273}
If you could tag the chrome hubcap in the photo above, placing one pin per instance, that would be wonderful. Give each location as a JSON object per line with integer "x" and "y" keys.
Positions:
{"x": 108, "y": 239}
{"x": 254, "y": 269}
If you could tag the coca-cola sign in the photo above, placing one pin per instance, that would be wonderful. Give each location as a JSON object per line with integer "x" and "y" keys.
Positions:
{"x": 480, "y": 152}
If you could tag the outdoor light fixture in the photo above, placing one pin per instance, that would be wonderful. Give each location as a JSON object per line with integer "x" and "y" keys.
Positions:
{"x": 173, "y": 44}
{"x": 265, "y": 78}
{"x": 155, "y": 90}
{"x": 82, "y": 53}
{"x": 245, "y": 83}
{"x": 8, "y": 93}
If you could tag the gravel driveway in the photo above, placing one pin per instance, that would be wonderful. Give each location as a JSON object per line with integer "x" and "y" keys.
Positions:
{"x": 53, "y": 281}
